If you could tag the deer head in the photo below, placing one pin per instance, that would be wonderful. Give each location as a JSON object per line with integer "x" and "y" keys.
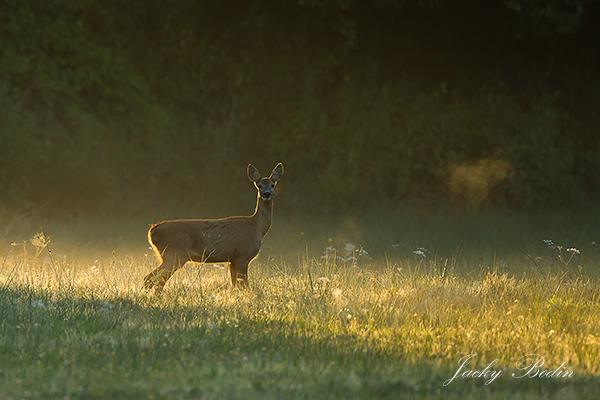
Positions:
{"x": 265, "y": 186}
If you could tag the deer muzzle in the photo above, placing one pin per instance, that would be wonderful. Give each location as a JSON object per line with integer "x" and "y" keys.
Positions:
{"x": 266, "y": 195}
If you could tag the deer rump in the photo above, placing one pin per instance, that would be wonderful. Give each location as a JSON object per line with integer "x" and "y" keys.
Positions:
{"x": 206, "y": 240}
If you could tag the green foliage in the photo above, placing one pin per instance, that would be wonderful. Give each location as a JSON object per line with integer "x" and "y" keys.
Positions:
{"x": 532, "y": 17}
{"x": 550, "y": 16}
{"x": 114, "y": 104}
{"x": 68, "y": 89}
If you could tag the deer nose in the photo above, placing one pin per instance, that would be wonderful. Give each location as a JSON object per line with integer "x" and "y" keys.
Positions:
{"x": 267, "y": 194}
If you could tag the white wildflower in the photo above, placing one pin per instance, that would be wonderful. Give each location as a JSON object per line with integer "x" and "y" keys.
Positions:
{"x": 421, "y": 251}
{"x": 38, "y": 304}
{"x": 330, "y": 253}
{"x": 362, "y": 253}
{"x": 107, "y": 304}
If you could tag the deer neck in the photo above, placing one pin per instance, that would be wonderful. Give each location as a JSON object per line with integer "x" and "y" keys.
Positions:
{"x": 263, "y": 215}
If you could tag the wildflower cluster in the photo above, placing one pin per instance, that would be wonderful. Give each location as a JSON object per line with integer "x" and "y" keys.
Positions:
{"x": 421, "y": 251}
{"x": 564, "y": 259}
{"x": 352, "y": 254}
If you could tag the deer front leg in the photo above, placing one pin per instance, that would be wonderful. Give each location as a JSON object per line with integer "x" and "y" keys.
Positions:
{"x": 242, "y": 274}
{"x": 239, "y": 273}
{"x": 233, "y": 273}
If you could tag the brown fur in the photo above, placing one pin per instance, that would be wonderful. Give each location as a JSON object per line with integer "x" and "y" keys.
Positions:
{"x": 233, "y": 240}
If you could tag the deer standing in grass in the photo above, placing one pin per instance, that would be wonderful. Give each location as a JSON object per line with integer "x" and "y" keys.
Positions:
{"x": 233, "y": 240}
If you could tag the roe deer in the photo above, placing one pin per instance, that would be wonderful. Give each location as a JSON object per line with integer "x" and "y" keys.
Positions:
{"x": 235, "y": 240}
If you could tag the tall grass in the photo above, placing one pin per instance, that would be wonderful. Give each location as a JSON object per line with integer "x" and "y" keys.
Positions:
{"x": 324, "y": 325}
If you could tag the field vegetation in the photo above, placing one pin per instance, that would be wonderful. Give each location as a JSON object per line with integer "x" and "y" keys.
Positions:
{"x": 335, "y": 320}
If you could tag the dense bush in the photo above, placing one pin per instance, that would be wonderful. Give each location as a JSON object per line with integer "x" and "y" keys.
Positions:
{"x": 124, "y": 105}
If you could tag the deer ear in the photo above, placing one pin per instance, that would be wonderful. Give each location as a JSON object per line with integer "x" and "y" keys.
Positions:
{"x": 277, "y": 172}
{"x": 253, "y": 173}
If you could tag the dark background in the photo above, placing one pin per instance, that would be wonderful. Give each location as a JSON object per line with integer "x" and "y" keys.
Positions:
{"x": 156, "y": 107}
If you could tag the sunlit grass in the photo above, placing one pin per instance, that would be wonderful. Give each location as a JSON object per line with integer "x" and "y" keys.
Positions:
{"x": 321, "y": 327}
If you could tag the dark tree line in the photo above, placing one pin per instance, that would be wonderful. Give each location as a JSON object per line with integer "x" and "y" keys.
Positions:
{"x": 118, "y": 100}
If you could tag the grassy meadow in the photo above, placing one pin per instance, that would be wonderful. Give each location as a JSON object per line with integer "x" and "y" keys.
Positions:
{"x": 328, "y": 318}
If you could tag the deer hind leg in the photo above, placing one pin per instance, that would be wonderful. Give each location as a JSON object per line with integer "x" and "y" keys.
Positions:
{"x": 160, "y": 275}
